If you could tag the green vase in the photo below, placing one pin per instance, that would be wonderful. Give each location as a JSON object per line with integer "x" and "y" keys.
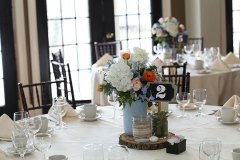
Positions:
{"x": 160, "y": 125}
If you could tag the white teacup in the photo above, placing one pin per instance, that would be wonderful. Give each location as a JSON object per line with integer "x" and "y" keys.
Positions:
{"x": 236, "y": 153}
{"x": 44, "y": 126}
{"x": 89, "y": 111}
{"x": 198, "y": 64}
{"x": 228, "y": 114}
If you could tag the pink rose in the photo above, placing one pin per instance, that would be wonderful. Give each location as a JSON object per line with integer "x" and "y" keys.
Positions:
{"x": 161, "y": 20}
{"x": 136, "y": 84}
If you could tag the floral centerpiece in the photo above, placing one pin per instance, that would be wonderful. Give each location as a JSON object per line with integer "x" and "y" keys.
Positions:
{"x": 166, "y": 29}
{"x": 129, "y": 76}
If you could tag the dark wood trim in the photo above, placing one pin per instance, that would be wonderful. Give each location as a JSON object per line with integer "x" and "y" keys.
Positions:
{"x": 156, "y": 8}
{"x": 8, "y": 57}
{"x": 43, "y": 46}
{"x": 229, "y": 25}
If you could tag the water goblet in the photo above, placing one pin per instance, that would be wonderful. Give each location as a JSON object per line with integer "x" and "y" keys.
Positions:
{"x": 59, "y": 108}
{"x": 199, "y": 99}
{"x": 119, "y": 152}
{"x": 210, "y": 149}
{"x": 112, "y": 99}
{"x": 93, "y": 151}
{"x": 183, "y": 99}
{"x": 42, "y": 142}
{"x": 20, "y": 141}
{"x": 196, "y": 49}
{"x": 35, "y": 124}
{"x": 188, "y": 48}
{"x": 21, "y": 119}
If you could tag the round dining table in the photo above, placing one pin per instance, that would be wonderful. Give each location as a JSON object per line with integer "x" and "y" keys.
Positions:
{"x": 220, "y": 85}
{"x": 106, "y": 131}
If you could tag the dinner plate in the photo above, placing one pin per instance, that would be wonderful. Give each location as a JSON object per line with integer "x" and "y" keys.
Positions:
{"x": 190, "y": 106}
{"x": 91, "y": 119}
{"x": 13, "y": 151}
{"x": 234, "y": 122}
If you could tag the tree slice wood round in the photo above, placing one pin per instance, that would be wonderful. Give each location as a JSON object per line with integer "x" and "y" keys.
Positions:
{"x": 128, "y": 141}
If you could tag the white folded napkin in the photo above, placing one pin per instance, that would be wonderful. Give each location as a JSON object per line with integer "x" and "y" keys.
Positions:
{"x": 70, "y": 112}
{"x": 231, "y": 58}
{"x": 7, "y": 126}
{"x": 104, "y": 60}
{"x": 231, "y": 102}
{"x": 219, "y": 65}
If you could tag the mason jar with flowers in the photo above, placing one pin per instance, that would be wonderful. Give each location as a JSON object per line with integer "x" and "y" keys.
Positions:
{"x": 129, "y": 77}
{"x": 168, "y": 32}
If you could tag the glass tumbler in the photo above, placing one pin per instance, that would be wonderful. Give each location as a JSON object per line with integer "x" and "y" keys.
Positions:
{"x": 142, "y": 128}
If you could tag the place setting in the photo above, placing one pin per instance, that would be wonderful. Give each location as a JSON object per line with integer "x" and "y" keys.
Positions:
{"x": 89, "y": 113}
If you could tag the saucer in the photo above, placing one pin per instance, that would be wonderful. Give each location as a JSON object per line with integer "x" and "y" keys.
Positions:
{"x": 203, "y": 71}
{"x": 57, "y": 157}
{"x": 80, "y": 108}
{"x": 91, "y": 119}
{"x": 234, "y": 122}
{"x": 190, "y": 106}
{"x": 13, "y": 151}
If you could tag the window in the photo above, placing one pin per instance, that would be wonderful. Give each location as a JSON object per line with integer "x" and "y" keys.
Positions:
{"x": 133, "y": 23}
{"x": 2, "y": 94}
{"x": 236, "y": 26}
{"x": 68, "y": 30}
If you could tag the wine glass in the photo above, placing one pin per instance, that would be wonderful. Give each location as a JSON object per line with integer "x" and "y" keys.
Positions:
{"x": 210, "y": 149}
{"x": 20, "y": 141}
{"x": 188, "y": 48}
{"x": 196, "y": 49}
{"x": 59, "y": 108}
{"x": 112, "y": 99}
{"x": 183, "y": 98}
{"x": 199, "y": 99}
{"x": 117, "y": 152}
{"x": 42, "y": 142}
{"x": 21, "y": 119}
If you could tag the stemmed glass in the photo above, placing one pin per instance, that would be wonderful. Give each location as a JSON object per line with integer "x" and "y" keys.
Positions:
{"x": 188, "y": 48}
{"x": 199, "y": 99}
{"x": 210, "y": 149}
{"x": 35, "y": 124}
{"x": 117, "y": 152}
{"x": 196, "y": 49}
{"x": 112, "y": 99}
{"x": 183, "y": 98}
{"x": 42, "y": 142}
{"x": 21, "y": 119}
{"x": 59, "y": 108}
{"x": 20, "y": 141}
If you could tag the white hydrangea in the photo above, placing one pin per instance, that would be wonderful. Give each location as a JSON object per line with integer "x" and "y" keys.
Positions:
{"x": 120, "y": 75}
{"x": 140, "y": 55}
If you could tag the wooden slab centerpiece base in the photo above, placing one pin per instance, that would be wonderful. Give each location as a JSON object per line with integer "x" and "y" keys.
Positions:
{"x": 128, "y": 141}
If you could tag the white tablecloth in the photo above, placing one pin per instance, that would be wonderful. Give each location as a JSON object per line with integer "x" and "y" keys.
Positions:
{"x": 107, "y": 130}
{"x": 220, "y": 85}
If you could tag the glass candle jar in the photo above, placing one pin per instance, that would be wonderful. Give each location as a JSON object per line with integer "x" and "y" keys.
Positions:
{"x": 142, "y": 128}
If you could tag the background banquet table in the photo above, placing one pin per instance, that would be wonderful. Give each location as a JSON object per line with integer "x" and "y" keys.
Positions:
{"x": 106, "y": 130}
{"x": 220, "y": 85}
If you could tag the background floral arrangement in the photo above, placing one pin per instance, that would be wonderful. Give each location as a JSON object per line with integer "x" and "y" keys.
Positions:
{"x": 129, "y": 76}
{"x": 166, "y": 29}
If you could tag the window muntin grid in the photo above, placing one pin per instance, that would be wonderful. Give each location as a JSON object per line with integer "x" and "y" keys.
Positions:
{"x": 236, "y": 26}
{"x": 2, "y": 94}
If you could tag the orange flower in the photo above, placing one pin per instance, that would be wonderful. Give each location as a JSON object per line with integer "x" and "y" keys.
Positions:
{"x": 149, "y": 76}
{"x": 125, "y": 56}
{"x": 99, "y": 88}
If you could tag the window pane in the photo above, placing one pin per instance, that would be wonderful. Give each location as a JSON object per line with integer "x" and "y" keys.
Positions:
{"x": 125, "y": 45}
{"x": 147, "y": 45}
{"x": 133, "y": 43}
{"x": 84, "y": 57}
{"x": 55, "y": 11}
{"x": 81, "y": 8}
{"x": 236, "y": 41}
{"x": 145, "y": 26}
{"x": 54, "y": 32}
{"x": 133, "y": 27}
{"x": 68, "y": 9}
{"x": 83, "y": 32}
{"x": 119, "y": 7}
{"x": 1, "y": 69}
{"x": 69, "y": 31}
{"x": 144, "y": 6}
{"x": 236, "y": 4}
{"x": 132, "y": 6}
{"x": 236, "y": 18}
{"x": 70, "y": 56}
{"x": 121, "y": 30}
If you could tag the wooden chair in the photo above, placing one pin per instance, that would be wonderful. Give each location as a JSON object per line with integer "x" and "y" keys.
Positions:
{"x": 107, "y": 47}
{"x": 60, "y": 71}
{"x": 174, "y": 69}
{"x": 38, "y": 96}
{"x": 199, "y": 40}
{"x": 181, "y": 81}
{"x": 57, "y": 56}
